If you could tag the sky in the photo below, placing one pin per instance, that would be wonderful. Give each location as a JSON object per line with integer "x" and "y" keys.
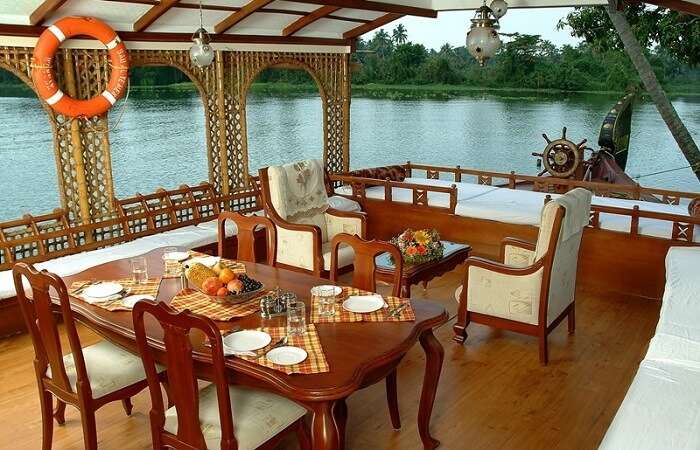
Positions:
{"x": 451, "y": 26}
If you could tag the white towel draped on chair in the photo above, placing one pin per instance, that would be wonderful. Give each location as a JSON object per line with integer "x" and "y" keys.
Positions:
{"x": 304, "y": 191}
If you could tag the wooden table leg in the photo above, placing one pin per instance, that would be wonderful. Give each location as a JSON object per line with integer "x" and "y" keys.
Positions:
{"x": 340, "y": 412}
{"x": 325, "y": 431}
{"x": 406, "y": 289}
{"x": 434, "y": 355}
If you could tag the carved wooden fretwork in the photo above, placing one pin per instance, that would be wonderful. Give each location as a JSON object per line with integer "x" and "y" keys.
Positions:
{"x": 82, "y": 148}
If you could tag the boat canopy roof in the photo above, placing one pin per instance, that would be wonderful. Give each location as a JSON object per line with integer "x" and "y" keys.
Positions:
{"x": 311, "y": 25}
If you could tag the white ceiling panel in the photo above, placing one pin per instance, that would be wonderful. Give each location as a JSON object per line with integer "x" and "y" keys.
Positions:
{"x": 119, "y": 15}
{"x": 266, "y": 24}
{"x": 358, "y": 13}
{"x": 327, "y": 28}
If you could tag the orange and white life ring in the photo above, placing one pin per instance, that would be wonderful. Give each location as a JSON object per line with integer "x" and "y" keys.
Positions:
{"x": 43, "y": 65}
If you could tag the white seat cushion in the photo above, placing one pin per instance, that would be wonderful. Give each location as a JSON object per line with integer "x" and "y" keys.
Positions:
{"x": 346, "y": 256}
{"x": 213, "y": 225}
{"x": 660, "y": 411}
{"x": 258, "y": 416}
{"x": 343, "y": 204}
{"x": 109, "y": 368}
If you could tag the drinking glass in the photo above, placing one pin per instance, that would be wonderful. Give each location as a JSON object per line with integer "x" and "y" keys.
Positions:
{"x": 139, "y": 270}
{"x": 325, "y": 296}
{"x": 296, "y": 318}
{"x": 170, "y": 263}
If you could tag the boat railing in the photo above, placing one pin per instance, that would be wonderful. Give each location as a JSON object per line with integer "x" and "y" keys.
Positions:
{"x": 549, "y": 184}
{"x": 420, "y": 193}
{"x": 683, "y": 227}
{"x": 39, "y": 238}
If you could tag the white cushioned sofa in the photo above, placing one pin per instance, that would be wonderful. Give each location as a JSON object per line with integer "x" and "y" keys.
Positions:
{"x": 662, "y": 407}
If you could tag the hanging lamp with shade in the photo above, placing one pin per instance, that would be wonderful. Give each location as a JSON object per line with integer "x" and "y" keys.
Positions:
{"x": 201, "y": 53}
{"x": 482, "y": 39}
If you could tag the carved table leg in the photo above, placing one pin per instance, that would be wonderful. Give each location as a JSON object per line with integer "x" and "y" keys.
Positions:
{"x": 340, "y": 412}
{"x": 324, "y": 429}
{"x": 392, "y": 400}
{"x": 434, "y": 354}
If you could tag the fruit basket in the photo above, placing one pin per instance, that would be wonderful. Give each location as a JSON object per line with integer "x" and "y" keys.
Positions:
{"x": 235, "y": 298}
{"x": 221, "y": 284}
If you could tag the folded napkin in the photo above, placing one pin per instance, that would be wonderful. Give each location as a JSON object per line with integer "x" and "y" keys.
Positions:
{"x": 94, "y": 300}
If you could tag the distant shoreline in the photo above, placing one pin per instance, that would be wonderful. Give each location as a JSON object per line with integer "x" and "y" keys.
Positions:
{"x": 383, "y": 91}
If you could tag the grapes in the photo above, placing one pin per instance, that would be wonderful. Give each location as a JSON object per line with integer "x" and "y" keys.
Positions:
{"x": 249, "y": 284}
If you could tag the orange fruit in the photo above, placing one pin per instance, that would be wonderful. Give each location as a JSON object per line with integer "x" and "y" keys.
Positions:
{"x": 226, "y": 275}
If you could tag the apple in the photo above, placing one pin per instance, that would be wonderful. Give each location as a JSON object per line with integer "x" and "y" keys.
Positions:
{"x": 222, "y": 292}
{"x": 211, "y": 285}
{"x": 235, "y": 286}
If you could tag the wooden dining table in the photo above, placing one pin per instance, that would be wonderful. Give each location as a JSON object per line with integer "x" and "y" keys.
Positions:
{"x": 358, "y": 354}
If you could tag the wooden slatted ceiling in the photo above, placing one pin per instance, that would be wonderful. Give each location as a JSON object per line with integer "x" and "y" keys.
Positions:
{"x": 239, "y": 15}
{"x": 375, "y": 6}
{"x": 379, "y": 22}
{"x": 153, "y": 14}
{"x": 319, "y": 13}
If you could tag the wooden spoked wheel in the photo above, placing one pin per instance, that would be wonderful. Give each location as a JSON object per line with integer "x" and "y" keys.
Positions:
{"x": 561, "y": 157}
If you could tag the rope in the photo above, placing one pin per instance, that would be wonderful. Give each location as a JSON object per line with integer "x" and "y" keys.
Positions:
{"x": 662, "y": 171}
{"x": 88, "y": 124}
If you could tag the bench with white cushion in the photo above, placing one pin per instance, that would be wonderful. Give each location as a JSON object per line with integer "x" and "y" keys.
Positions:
{"x": 662, "y": 407}
{"x": 191, "y": 236}
{"x": 521, "y": 207}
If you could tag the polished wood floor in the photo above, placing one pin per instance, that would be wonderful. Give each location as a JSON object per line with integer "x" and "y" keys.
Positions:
{"x": 493, "y": 393}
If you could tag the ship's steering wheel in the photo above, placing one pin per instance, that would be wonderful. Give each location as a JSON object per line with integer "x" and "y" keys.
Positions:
{"x": 561, "y": 157}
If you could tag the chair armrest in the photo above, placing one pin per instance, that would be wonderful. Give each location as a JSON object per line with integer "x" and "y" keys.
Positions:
{"x": 517, "y": 252}
{"x": 350, "y": 222}
{"x": 298, "y": 245}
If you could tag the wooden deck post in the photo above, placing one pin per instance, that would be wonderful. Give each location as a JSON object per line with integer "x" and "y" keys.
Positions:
{"x": 221, "y": 106}
{"x": 76, "y": 141}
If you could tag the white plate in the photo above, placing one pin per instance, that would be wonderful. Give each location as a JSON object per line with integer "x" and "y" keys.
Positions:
{"x": 209, "y": 261}
{"x": 131, "y": 300}
{"x": 363, "y": 303}
{"x": 337, "y": 290}
{"x": 246, "y": 341}
{"x": 286, "y": 356}
{"x": 101, "y": 290}
{"x": 176, "y": 256}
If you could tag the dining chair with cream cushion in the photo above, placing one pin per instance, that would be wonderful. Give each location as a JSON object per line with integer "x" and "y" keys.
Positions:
{"x": 295, "y": 199}
{"x": 219, "y": 416}
{"x": 87, "y": 378}
{"x": 533, "y": 290}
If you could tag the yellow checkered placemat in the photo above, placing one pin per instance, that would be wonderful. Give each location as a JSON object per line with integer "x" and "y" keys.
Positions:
{"x": 174, "y": 268}
{"x": 200, "y": 303}
{"x": 382, "y": 315}
{"x": 315, "y": 363}
{"x": 150, "y": 287}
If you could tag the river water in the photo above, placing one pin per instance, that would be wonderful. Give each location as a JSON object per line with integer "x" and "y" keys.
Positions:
{"x": 160, "y": 138}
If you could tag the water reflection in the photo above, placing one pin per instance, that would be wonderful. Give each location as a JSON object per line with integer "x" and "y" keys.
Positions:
{"x": 160, "y": 140}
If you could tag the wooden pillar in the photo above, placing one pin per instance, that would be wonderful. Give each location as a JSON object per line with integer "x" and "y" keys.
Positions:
{"x": 221, "y": 106}
{"x": 76, "y": 141}
{"x": 346, "y": 94}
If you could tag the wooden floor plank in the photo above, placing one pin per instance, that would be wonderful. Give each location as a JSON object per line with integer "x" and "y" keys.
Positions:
{"x": 493, "y": 393}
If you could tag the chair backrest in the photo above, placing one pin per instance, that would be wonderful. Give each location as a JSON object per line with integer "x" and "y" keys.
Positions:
{"x": 559, "y": 240}
{"x": 247, "y": 226}
{"x": 38, "y": 311}
{"x": 183, "y": 390}
{"x": 363, "y": 276}
{"x": 283, "y": 202}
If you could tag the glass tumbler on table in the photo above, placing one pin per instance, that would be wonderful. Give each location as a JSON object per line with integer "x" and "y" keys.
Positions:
{"x": 170, "y": 261}
{"x": 296, "y": 318}
{"x": 325, "y": 296}
{"x": 139, "y": 270}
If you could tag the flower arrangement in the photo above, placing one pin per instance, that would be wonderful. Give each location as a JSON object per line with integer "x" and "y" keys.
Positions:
{"x": 419, "y": 246}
